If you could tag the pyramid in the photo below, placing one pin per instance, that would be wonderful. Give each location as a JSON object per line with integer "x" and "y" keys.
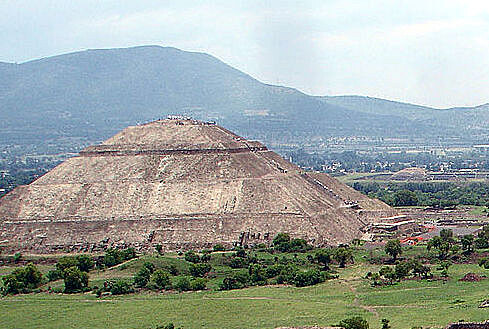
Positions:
{"x": 183, "y": 184}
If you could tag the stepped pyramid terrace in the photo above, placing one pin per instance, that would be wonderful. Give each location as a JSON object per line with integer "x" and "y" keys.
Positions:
{"x": 183, "y": 184}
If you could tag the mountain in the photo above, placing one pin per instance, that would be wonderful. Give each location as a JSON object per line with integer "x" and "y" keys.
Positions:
{"x": 68, "y": 101}
{"x": 457, "y": 117}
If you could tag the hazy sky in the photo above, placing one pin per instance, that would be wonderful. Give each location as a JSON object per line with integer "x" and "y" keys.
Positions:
{"x": 420, "y": 51}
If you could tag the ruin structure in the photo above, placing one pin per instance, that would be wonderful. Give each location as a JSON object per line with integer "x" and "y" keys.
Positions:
{"x": 182, "y": 184}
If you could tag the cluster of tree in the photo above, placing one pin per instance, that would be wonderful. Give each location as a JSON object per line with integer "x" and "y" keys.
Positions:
{"x": 445, "y": 243}
{"x": 74, "y": 271}
{"x": 114, "y": 257}
{"x": 433, "y": 194}
{"x": 22, "y": 280}
{"x": 390, "y": 274}
{"x": 159, "y": 279}
{"x": 283, "y": 243}
{"x": 299, "y": 272}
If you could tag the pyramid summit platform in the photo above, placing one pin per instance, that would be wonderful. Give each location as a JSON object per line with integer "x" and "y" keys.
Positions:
{"x": 183, "y": 184}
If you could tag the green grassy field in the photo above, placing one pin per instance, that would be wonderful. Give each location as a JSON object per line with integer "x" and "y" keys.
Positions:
{"x": 406, "y": 304}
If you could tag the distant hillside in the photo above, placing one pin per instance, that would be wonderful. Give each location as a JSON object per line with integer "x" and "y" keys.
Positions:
{"x": 89, "y": 95}
{"x": 458, "y": 117}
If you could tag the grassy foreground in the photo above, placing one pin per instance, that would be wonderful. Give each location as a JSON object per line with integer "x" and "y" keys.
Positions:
{"x": 406, "y": 304}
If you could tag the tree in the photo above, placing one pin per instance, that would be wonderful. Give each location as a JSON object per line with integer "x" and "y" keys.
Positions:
{"x": 443, "y": 243}
{"x": 75, "y": 280}
{"x": 308, "y": 278}
{"x": 323, "y": 257}
{"x": 191, "y": 256}
{"x": 385, "y": 324}
{"x": 388, "y": 273}
{"x": 161, "y": 279}
{"x": 393, "y": 248}
{"x": 159, "y": 249}
{"x": 281, "y": 242}
{"x": 467, "y": 242}
{"x": 199, "y": 270}
{"x": 404, "y": 198}
{"x": 198, "y": 284}
{"x": 183, "y": 284}
{"x": 142, "y": 277}
{"x": 22, "y": 279}
{"x": 84, "y": 262}
{"x": 120, "y": 287}
{"x": 355, "y": 322}
{"x": 342, "y": 255}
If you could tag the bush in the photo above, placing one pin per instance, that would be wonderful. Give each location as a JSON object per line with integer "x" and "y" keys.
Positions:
{"x": 182, "y": 284}
{"x": 84, "y": 262}
{"x": 323, "y": 257}
{"x": 281, "y": 242}
{"x": 75, "y": 280}
{"x": 308, "y": 278}
{"x": 66, "y": 262}
{"x": 120, "y": 287}
{"x": 238, "y": 262}
{"x": 219, "y": 247}
{"x": 159, "y": 249}
{"x": 198, "y": 284}
{"x": 142, "y": 277}
{"x": 54, "y": 275}
{"x": 257, "y": 274}
{"x": 22, "y": 279}
{"x": 150, "y": 266}
{"x": 199, "y": 270}
{"x": 17, "y": 257}
{"x": 192, "y": 257}
{"x": 114, "y": 257}
{"x": 355, "y": 322}
{"x": 161, "y": 279}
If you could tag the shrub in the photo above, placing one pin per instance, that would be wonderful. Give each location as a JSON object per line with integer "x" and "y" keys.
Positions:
{"x": 75, "y": 280}
{"x": 230, "y": 283}
{"x": 192, "y": 257}
{"x": 298, "y": 245}
{"x": 257, "y": 274}
{"x": 238, "y": 262}
{"x": 114, "y": 257}
{"x": 159, "y": 249}
{"x": 161, "y": 279}
{"x": 17, "y": 257}
{"x": 199, "y": 270}
{"x": 150, "y": 266}
{"x": 54, "y": 275}
{"x": 323, "y": 257}
{"x": 182, "y": 284}
{"x": 402, "y": 270}
{"x": 66, "y": 262}
{"x": 355, "y": 322}
{"x": 142, "y": 277}
{"x": 393, "y": 248}
{"x": 343, "y": 255}
{"x": 218, "y": 247}
{"x": 281, "y": 242}
{"x": 22, "y": 279}
{"x": 120, "y": 287}
{"x": 308, "y": 278}
{"x": 84, "y": 262}
{"x": 198, "y": 284}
